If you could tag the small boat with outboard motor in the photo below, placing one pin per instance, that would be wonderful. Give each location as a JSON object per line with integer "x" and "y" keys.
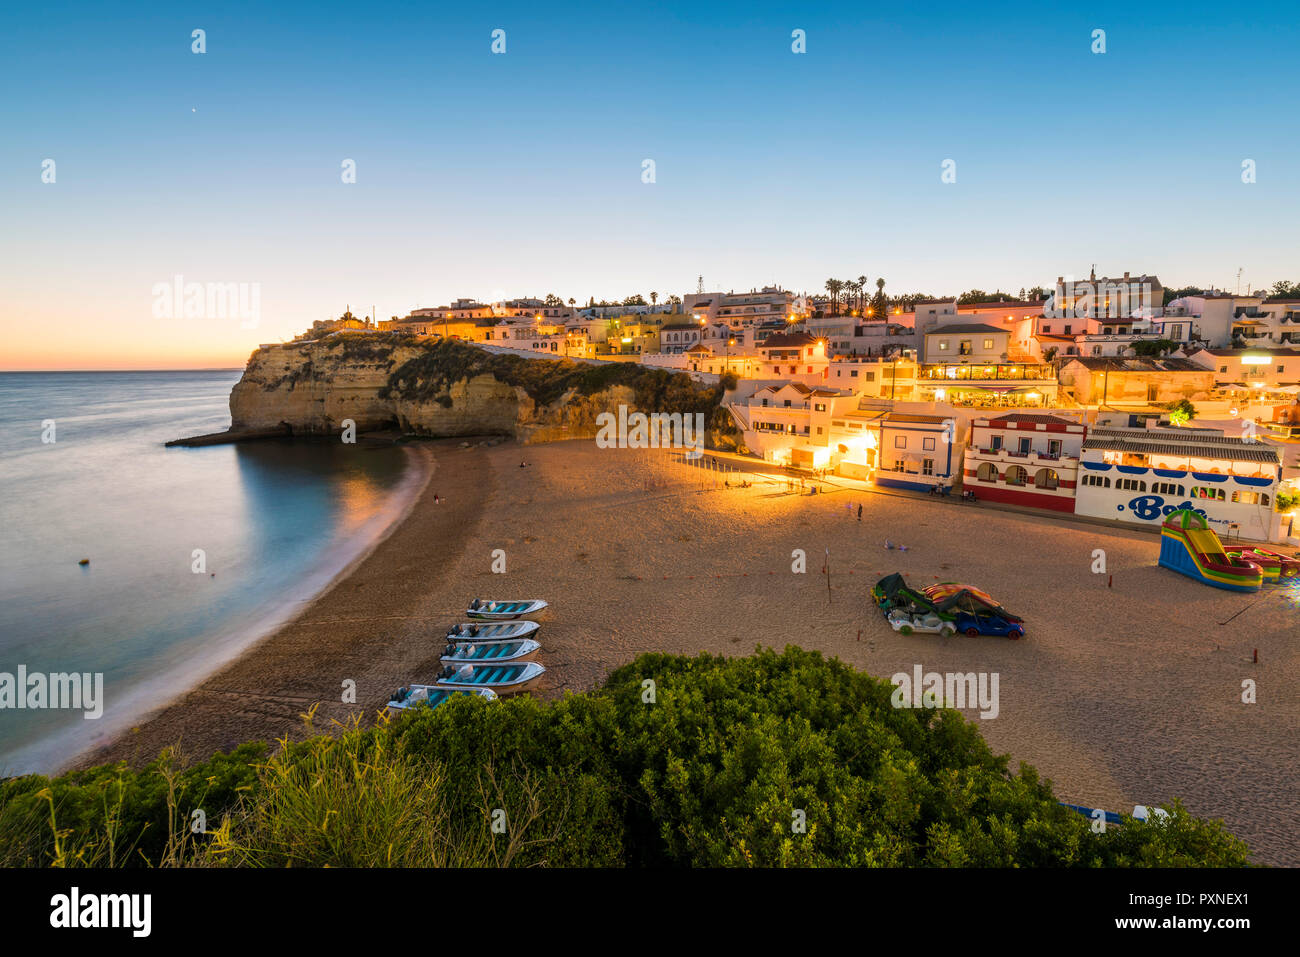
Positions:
{"x": 485, "y": 652}
{"x": 492, "y": 630}
{"x": 501, "y": 610}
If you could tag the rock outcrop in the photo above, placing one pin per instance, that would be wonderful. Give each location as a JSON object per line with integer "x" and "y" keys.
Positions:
{"x": 418, "y": 387}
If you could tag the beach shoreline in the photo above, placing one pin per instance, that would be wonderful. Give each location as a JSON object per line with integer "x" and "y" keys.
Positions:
{"x": 1126, "y": 690}
{"x": 140, "y": 721}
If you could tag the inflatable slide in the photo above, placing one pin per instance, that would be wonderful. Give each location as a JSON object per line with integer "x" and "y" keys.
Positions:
{"x": 1188, "y": 546}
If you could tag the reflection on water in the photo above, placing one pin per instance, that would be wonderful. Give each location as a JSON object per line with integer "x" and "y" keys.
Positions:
{"x": 186, "y": 546}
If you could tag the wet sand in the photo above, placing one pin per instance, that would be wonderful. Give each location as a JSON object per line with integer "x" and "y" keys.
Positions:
{"x": 1122, "y": 695}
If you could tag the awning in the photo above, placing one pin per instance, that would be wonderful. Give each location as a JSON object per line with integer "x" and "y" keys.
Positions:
{"x": 995, "y": 389}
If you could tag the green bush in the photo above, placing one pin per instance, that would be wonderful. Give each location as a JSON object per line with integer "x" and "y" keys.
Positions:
{"x": 769, "y": 760}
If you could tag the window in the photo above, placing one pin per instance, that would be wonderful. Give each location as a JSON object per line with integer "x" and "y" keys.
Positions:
{"x": 964, "y": 348}
{"x": 1054, "y": 446}
{"x": 987, "y": 472}
{"x": 819, "y": 430}
{"x": 1131, "y": 485}
{"x": 1152, "y": 392}
{"x": 900, "y": 441}
{"x": 927, "y": 466}
{"x": 787, "y": 403}
{"x": 927, "y": 445}
{"x": 996, "y": 443}
{"x": 1016, "y": 475}
{"x": 1223, "y": 368}
{"x": 1100, "y": 481}
{"x": 1167, "y": 488}
{"x": 943, "y": 345}
{"x": 1047, "y": 478}
{"x": 1250, "y": 498}
{"x": 1067, "y": 330}
{"x": 988, "y": 345}
{"x": 819, "y": 407}
{"x": 1023, "y": 445}
{"x": 1047, "y": 330}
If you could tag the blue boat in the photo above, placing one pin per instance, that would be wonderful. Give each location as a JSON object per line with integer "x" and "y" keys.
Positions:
{"x": 410, "y": 697}
{"x": 512, "y": 676}
{"x": 483, "y": 652}
{"x": 499, "y": 610}
{"x": 491, "y": 630}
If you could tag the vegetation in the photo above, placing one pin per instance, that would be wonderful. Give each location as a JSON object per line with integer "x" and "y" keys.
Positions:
{"x": 442, "y": 362}
{"x": 1181, "y": 412}
{"x": 771, "y": 760}
{"x": 1153, "y": 347}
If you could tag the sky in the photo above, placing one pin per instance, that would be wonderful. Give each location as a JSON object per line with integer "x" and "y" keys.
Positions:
{"x": 495, "y": 175}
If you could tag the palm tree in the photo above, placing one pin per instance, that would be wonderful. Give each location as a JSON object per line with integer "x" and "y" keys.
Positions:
{"x": 862, "y": 284}
{"x": 654, "y": 297}
{"x": 833, "y": 286}
{"x": 880, "y": 305}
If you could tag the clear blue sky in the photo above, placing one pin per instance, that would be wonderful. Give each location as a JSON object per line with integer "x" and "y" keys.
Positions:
{"x": 520, "y": 174}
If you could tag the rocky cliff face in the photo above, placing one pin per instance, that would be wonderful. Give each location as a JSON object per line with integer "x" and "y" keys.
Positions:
{"x": 311, "y": 388}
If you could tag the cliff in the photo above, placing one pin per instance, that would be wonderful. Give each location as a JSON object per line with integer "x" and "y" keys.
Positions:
{"x": 437, "y": 388}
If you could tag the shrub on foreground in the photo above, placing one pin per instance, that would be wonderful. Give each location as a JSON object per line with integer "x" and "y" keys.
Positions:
{"x": 771, "y": 760}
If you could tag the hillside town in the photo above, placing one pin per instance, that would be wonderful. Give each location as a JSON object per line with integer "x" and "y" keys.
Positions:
{"x": 1108, "y": 397}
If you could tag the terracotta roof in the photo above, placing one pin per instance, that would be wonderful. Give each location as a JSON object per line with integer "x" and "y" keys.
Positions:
{"x": 1138, "y": 364}
{"x": 1254, "y": 452}
{"x": 783, "y": 340}
{"x": 1032, "y": 417}
{"x": 910, "y": 417}
{"x": 1232, "y": 353}
{"x": 1010, "y": 303}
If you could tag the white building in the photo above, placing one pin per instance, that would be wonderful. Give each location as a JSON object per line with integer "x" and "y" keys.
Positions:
{"x": 1138, "y": 476}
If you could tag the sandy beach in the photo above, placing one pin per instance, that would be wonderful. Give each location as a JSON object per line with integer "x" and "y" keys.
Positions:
{"x": 1122, "y": 695}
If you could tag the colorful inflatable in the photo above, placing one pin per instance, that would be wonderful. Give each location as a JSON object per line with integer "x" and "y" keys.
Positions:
{"x": 1188, "y": 546}
{"x": 1274, "y": 565}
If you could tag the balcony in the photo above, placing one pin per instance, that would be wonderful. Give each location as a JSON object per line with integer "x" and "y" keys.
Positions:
{"x": 1011, "y": 457}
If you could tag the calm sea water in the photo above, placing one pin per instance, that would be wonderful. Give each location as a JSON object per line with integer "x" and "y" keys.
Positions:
{"x": 274, "y": 520}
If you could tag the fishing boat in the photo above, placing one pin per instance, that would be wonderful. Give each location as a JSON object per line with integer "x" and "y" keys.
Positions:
{"x": 491, "y": 630}
{"x": 501, "y": 610}
{"x": 485, "y": 652}
{"x": 512, "y": 676}
{"x": 413, "y": 695}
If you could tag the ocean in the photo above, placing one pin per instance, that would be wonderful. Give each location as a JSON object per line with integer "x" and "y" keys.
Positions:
{"x": 193, "y": 553}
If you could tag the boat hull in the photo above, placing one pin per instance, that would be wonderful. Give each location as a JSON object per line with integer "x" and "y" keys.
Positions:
{"x": 505, "y": 610}
{"x": 503, "y": 679}
{"x": 492, "y": 630}
{"x": 433, "y": 696}
{"x": 491, "y": 652}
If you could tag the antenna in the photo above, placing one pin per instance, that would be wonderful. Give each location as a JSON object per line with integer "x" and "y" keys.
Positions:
{"x": 1239, "y": 270}
{"x": 699, "y": 285}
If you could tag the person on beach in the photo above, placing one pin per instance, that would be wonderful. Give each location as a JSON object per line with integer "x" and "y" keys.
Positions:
{"x": 859, "y": 511}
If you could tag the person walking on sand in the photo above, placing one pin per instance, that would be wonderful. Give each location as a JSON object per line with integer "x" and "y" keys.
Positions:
{"x": 859, "y": 511}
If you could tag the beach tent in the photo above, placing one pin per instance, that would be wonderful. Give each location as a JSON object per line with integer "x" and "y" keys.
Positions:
{"x": 949, "y": 598}
{"x": 892, "y": 591}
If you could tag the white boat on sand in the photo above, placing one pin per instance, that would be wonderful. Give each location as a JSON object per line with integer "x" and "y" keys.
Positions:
{"x": 488, "y": 652}
{"x": 510, "y": 677}
{"x": 491, "y": 630}
{"x": 412, "y": 695}
{"x": 500, "y": 610}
